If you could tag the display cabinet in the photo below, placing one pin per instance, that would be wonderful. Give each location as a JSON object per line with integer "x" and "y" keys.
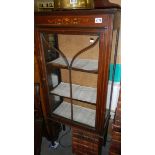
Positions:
{"x": 74, "y": 52}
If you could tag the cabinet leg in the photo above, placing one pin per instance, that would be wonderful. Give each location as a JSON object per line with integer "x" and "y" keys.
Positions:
{"x": 63, "y": 127}
{"x": 105, "y": 135}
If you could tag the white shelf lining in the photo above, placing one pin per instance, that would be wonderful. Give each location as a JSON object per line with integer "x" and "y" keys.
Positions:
{"x": 84, "y": 64}
{"x": 81, "y": 93}
{"x": 80, "y": 114}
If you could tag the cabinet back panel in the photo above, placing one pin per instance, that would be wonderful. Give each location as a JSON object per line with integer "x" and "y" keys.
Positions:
{"x": 80, "y": 78}
{"x": 71, "y": 44}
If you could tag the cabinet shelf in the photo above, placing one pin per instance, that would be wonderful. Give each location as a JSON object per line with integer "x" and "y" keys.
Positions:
{"x": 80, "y": 114}
{"x": 85, "y": 65}
{"x": 81, "y": 93}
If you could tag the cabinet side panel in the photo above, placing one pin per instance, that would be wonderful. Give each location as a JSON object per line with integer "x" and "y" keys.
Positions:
{"x": 104, "y": 61}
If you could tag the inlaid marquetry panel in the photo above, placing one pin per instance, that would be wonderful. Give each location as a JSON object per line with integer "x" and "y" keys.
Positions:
{"x": 84, "y": 21}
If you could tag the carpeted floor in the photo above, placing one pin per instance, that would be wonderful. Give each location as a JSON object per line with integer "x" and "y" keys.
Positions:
{"x": 64, "y": 148}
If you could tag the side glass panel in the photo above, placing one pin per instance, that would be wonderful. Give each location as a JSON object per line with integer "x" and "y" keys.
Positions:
{"x": 72, "y": 71}
{"x": 114, "y": 77}
{"x": 49, "y": 43}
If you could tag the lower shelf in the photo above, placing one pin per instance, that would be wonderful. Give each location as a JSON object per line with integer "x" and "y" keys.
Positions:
{"x": 80, "y": 114}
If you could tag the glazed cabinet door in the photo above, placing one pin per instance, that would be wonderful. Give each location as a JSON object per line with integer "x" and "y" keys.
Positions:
{"x": 73, "y": 67}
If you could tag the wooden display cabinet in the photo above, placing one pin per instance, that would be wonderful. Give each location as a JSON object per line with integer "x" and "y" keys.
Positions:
{"x": 74, "y": 51}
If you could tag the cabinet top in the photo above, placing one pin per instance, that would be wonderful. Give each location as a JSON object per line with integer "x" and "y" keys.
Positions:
{"x": 79, "y": 12}
{"x": 77, "y": 18}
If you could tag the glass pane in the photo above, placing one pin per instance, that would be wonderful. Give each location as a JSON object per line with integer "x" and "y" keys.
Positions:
{"x": 84, "y": 81}
{"x": 72, "y": 70}
{"x": 115, "y": 76}
{"x": 50, "y": 46}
